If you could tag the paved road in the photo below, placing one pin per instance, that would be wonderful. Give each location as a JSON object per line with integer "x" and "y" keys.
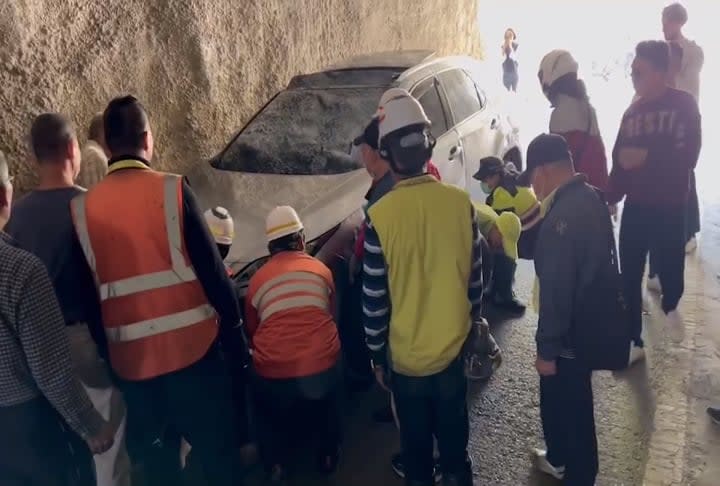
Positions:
{"x": 504, "y": 421}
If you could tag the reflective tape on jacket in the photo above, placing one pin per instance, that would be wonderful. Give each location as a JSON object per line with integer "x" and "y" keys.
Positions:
{"x": 291, "y": 290}
{"x": 179, "y": 273}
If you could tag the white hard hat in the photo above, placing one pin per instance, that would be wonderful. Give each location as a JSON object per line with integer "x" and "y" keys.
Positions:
{"x": 282, "y": 221}
{"x": 398, "y": 109}
{"x": 555, "y": 65}
{"x": 221, "y": 225}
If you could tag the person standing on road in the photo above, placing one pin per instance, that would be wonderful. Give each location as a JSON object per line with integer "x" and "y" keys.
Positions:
{"x": 163, "y": 290}
{"x": 572, "y": 247}
{"x": 655, "y": 152}
{"x": 674, "y": 18}
{"x": 510, "y": 63}
{"x": 222, "y": 227}
{"x": 289, "y": 316}
{"x": 573, "y": 116}
{"x": 40, "y": 395}
{"x": 410, "y": 243}
{"x": 94, "y": 157}
{"x": 42, "y": 224}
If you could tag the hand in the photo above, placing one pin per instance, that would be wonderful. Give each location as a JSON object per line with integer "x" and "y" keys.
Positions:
{"x": 380, "y": 376}
{"x": 103, "y": 440}
{"x": 495, "y": 239}
{"x": 545, "y": 368}
{"x": 631, "y": 158}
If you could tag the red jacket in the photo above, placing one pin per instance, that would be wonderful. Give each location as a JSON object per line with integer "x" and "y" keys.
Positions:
{"x": 576, "y": 121}
{"x": 360, "y": 241}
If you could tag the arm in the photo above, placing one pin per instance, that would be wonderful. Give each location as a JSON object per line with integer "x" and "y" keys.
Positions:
{"x": 475, "y": 285}
{"x": 252, "y": 320}
{"x": 376, "y": 297}
{"x": 207, "y": 263}
{"x": 615, "y": 193}
{"x": 555, "y": 268}
{"x": 688, "y": 134}
{"x": 42, "y": 335}
{"x": 91, "y": 301}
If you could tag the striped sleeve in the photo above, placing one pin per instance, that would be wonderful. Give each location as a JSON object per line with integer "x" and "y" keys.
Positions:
{"x": 475, "y": 286}
{"x": 375, "y": 298}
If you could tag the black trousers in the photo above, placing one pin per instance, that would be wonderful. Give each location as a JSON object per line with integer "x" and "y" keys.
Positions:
{"x": 38, "y": 448}
{"x": 661, "y": 232}
{"x": 567, "y": 414}
{"x": 436, "y": 406}
{"x": 285, "y": 408}
{"x": 510, "y": 80}
{"x": 195, "y": 403}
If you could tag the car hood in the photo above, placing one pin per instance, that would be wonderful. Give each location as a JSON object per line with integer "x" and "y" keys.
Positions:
{"x": 322, "y": 202}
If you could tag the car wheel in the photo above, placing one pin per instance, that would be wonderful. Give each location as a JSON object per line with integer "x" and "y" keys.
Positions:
{"x": 513, "y": 155}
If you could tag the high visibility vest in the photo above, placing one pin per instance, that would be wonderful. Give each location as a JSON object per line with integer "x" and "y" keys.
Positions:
{"x": 155, "y": 313}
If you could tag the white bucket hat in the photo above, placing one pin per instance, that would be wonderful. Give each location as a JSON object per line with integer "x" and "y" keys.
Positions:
{"x": 555, "y": 65}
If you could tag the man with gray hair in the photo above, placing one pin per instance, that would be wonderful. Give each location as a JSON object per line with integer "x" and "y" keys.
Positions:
{"x": 94, "y": 157}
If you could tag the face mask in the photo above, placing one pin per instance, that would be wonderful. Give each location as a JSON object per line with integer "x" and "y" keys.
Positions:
{"x": 485, "y": 187}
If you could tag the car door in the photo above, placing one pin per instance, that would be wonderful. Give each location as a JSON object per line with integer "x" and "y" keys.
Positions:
{"x": 448, "y": 153}
{"x": 477, "y": 127}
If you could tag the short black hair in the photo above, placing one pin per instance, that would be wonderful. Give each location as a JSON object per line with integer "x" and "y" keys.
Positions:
{"x": 676, "y": 12}
{"x": 126, "y": 124}
{"x": 50, "y": 135}
{"x": 656, "y": 52}
{"x": 96, "y": 128}
{"x": 291, "y": 242}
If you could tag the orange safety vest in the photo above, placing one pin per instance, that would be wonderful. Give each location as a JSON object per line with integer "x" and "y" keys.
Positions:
{"x": 156, "y": 315}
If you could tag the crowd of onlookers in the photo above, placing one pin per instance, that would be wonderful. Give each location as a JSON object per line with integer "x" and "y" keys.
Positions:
{"x": 122, "y": 335}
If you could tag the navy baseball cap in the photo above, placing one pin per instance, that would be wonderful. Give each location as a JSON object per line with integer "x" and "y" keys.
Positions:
{"x": 546, "y": 148}
{"x": 370, "y": 135}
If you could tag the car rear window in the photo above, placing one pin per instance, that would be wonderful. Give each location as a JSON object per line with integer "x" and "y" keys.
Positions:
{"x": 303, "y": 132}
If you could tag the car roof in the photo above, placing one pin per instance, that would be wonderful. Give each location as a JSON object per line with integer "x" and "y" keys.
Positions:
{"x": 386, "y": 59}
{"x": 367, "y": 71}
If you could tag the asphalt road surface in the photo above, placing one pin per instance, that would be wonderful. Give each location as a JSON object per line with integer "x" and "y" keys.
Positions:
{"x": 504, "y": 418}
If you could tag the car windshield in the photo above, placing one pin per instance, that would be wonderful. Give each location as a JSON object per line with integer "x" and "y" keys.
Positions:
{"x": 303, "y": 132}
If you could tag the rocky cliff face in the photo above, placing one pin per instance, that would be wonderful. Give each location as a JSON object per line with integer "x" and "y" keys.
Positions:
{"x": 201, "y": 67}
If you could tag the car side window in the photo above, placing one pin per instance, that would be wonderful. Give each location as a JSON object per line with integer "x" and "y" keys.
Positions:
{"x": 461, "y": 93}
{"x": 427, "y": 94}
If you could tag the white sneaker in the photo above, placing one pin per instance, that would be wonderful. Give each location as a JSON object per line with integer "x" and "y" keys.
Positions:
{"x": 675, "y": 326}
{"x": 653, "y": 284}
{"x": 691, "y": 245}
{"x": 543, "y": 465}
{"x": 636, "y": 354}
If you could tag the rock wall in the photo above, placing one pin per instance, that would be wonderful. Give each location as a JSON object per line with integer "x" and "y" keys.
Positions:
{"x": 201, "y": 67}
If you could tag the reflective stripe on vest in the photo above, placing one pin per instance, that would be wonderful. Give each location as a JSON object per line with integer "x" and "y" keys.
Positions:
{"x": 291, "y": 290}
{"x": 180, "y": 272}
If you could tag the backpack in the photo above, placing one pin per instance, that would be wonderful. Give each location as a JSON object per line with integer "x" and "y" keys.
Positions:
{"x": 601, "y": 332}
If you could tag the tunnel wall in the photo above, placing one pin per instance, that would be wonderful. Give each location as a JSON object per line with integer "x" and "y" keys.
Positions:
{"x": 201, "y": 67}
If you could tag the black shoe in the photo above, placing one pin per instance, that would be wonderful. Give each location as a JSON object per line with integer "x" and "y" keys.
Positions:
{"x": 714, "y": 413}
{"x": 509, "y": 304}
{"x": 399, "y": 467}
{"x": 383, "y": 415}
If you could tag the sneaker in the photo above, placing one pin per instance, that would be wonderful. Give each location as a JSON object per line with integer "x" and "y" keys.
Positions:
{"x": 714, "y": 413}
{"x": 636, "y": 354}
{"x": 653, "y": 284}
{"x": 399, "y": 467}
{"x": 675, "y": 326}
{"x": 691, "y": 245}
{"x": 543, "y": 465}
